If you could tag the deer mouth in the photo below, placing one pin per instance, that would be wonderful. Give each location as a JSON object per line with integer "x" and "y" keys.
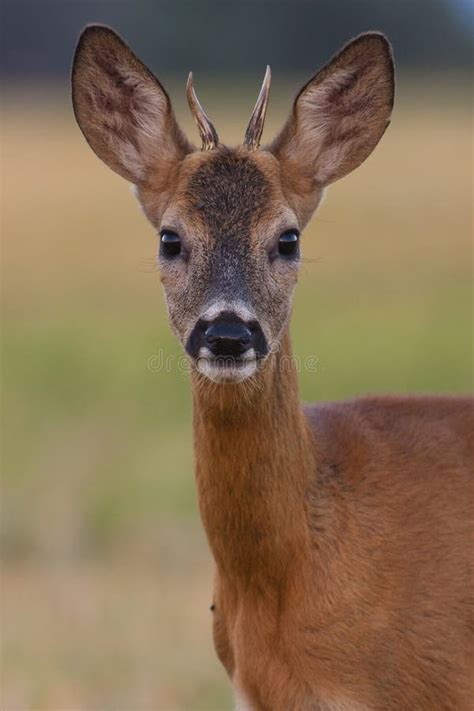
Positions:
{"x": 227, "y": 369}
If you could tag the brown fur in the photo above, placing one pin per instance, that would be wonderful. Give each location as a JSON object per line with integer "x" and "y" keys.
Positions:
{"x": 342, "y": 533}
{"x": 343, "y": 543}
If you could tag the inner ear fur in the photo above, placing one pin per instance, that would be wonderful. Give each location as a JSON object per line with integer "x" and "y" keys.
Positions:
{"x": 339, "y": 116}
{"x": 122, "y": 109}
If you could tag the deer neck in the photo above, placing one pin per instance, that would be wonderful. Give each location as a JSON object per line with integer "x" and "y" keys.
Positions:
{"x": 253, "y": 459}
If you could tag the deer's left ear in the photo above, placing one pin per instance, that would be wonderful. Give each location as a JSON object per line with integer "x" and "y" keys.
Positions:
{"x": 122, "y": 109}
{"x": 339, "y": 116}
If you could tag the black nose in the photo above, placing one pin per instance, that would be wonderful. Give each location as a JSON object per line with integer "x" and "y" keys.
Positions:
{"x": 227, "y": 338}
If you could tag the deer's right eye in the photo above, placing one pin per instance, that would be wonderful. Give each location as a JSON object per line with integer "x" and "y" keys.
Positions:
{"x": 170, "y": 244}
{"x": 288, "y": 244}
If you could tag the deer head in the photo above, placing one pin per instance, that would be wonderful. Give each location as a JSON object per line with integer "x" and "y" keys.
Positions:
{"x": 230, "y": 219}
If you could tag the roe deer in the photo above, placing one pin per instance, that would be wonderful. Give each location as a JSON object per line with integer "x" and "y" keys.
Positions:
{"x": 341, "y": 532}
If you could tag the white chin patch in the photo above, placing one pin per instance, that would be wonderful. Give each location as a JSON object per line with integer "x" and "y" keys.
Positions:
{"x": 225, "y": 372}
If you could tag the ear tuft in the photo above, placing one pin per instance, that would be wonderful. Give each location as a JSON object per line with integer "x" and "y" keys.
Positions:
{"x": 340, "y": 115}
{"x": 120, "y": 106}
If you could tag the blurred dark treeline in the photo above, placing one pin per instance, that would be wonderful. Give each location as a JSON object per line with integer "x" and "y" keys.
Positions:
{"x": 220, "y": 36}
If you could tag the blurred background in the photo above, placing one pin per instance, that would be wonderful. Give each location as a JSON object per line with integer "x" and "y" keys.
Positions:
{"x": 106, "y": 576}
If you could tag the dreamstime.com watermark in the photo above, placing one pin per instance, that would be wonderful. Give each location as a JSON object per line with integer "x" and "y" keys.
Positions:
{"x": 162, "y": 362}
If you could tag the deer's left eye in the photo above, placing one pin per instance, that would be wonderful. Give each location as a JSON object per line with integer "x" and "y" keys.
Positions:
{"x": 288, "y": 244}
{"x": 170, "y": 244}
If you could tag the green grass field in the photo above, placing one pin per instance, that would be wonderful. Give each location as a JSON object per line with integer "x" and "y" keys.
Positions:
{"x": 106, "y": 574}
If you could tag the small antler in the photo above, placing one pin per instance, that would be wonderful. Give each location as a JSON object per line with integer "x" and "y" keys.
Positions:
{"x": 207, "y": 131}
{"x": 254, "y": 130}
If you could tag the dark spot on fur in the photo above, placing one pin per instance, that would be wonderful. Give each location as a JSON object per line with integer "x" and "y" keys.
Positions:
{"x": 230, "y": 192}
{"x": 351, "y": 134}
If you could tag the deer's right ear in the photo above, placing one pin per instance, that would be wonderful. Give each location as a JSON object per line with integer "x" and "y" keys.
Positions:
{"x": 339, "y": 116}
{"x": 122, "y": 109}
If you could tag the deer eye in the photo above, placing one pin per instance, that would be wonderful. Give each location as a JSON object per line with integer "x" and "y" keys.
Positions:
{"x": 170, "y": 244}
{"x": 288, "y": 244}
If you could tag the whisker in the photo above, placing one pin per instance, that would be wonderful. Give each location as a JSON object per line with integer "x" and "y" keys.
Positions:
{"x": 310, "y": 260}
{"x": 148, "y": 265}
